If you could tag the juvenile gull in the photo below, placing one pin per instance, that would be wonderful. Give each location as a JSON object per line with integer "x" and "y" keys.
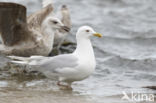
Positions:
{"x": 37, "y": 35}
{"x": 64, "y": 16}
{"x": 61, "y": 34}
{"x": 67, "y": 67}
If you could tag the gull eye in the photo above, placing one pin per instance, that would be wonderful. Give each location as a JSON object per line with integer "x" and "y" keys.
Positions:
{"x": 55, "y": 22}
{"x": 87, "y": 30}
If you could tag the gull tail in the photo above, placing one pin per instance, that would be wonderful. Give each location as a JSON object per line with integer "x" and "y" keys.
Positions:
{"x": 19, "y": 60}
{"x": 33, "y": 60}
{"x": 46, "y": 2}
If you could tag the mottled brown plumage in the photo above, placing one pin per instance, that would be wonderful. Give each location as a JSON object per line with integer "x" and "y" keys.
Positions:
{"x": 21, "y": 38}
{"x": 11, "y": 17}
{"x": 28, "y": 37}
{"x": 35, "y": 20}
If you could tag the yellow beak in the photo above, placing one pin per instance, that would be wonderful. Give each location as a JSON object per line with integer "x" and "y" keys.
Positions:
{"x": 98, "y": 35}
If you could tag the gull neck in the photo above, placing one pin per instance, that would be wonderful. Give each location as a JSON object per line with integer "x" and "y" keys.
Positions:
{"x": 84, "y": 49}
{"x": 48, "y": 35}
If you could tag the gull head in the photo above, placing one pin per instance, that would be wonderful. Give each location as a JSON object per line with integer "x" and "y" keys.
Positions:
{"x": 56, "y": 24}
{"x": 86, "y": 32}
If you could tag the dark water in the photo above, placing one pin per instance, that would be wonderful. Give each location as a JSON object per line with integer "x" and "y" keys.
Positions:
{"x": 126, "y": 55}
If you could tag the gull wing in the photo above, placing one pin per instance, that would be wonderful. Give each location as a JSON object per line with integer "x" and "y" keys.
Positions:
{"x": 56, "y": 64}
{"x": 13, "y": 27}
{"x": 46, "y": 2}
{"x": 35, "y": 20}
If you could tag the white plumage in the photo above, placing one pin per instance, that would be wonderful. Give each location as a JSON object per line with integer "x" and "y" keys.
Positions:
{"x": 67, "y": 67}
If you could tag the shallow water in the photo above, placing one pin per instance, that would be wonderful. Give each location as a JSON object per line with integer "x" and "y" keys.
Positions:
{"x": 126, "y": 59}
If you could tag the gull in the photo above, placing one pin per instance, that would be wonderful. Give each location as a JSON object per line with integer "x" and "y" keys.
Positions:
{"x": 37, "y": 35}
{"x": 66, "y": 68}
{"x": 63, "y": 15}
{"x": 60, "y": 35}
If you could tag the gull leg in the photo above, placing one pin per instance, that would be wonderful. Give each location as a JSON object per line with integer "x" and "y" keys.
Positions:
{"x": 59, "y": 83}
{"x": 69, "y": 86}
{"x": 64, "y": 87}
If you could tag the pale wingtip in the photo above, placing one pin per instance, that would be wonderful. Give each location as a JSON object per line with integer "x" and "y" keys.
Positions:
{"x": 11, "y": 57}
{"x": 19, "y": 62}
{"x": 46, "y": 2}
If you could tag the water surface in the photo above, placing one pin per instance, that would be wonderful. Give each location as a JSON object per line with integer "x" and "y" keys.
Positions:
{"x": 126, "y": 55}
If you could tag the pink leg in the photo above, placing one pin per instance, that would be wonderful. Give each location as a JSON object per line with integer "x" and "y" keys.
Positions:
{"x": 64, "y": 86}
